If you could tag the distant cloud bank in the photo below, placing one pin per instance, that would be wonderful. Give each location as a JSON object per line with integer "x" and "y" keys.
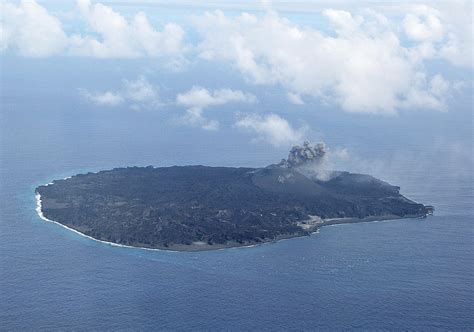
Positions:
{"x": 362, "y": 67}
{"x": 367, "y": 61}
{"x": 30, "y": 30}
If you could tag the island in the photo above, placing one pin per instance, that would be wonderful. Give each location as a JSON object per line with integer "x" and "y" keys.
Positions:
{"x": 193, "y": 208}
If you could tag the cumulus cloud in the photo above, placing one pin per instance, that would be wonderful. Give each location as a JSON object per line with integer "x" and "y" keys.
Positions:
{"x": 120, "y": 38}
{"x": 107, "y": 98}
{"x": 272, "y": 129}
{"x": 432, "y": 95}
{"x": 202, "y": 98}
{"x": 294, "y": 98}
{"x": 459, "y": 45}
{"x": 138, "y": 94}
{"x": 423, "y": 24}
{"x": 194, "y": 117}
{"x": 140, "y": 90}
{"x": 361, "y": 66}
{"x": 29, "y": 29}
{"x": 199, "y": 98}
{"x": 443, "y": 34}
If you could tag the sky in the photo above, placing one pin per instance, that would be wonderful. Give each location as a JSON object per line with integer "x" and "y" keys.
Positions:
{"x": 270, "y": 73}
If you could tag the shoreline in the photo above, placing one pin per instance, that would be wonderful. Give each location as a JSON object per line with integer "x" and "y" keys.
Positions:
{"x": 186, "y": 248}
{"x": 206, "y": 247}
{"x": 41, "y": 215}
{"x": 353, "y": 220}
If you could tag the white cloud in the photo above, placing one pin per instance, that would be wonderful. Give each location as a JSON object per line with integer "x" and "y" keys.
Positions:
{"x": 444, "y": 33}
{"x": 361, "y": 64}
{"x": 140, "y": 90}
{"x": 362, "y": 67}
{"x": 343, "y": 22}
{"x": 29, "y": 29}
{"x": 423, "y": 24}
{"x": 202, "y": 98}
{"x": 120, "y": 38}
{"x": 198, "y": 98}
{"x": 294, "y": 98}
{"x": 195, "y": 118}
{"x": 433, "y": 96}
{"x": 272, "y": 129}
{"x": 139, "y": 94}
{"x": 459, "y": 46}
{"x": 107, "y": 98}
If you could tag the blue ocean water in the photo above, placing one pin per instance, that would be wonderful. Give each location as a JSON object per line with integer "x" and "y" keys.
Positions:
{"x": 406, "y": 274}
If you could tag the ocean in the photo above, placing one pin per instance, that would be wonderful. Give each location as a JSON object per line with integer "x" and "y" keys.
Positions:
{"x": 413, "y": 274}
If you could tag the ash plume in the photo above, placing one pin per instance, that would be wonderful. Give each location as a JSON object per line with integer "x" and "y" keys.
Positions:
{"x": 310, "y": 160}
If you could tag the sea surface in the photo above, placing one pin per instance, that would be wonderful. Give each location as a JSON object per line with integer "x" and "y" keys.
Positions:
{"x": 413, "y": 274}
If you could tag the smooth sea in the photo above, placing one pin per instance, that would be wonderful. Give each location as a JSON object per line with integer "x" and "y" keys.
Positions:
{"x": 409, "y": 274}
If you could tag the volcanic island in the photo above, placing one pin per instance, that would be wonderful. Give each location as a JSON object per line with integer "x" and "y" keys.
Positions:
{"x": 193, "y": 208}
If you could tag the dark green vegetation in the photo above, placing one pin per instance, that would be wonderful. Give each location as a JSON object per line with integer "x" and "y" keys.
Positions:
{"x": 198, "y": 207}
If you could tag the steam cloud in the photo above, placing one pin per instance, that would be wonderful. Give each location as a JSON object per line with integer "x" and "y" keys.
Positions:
{"x": 310, "y": 160}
